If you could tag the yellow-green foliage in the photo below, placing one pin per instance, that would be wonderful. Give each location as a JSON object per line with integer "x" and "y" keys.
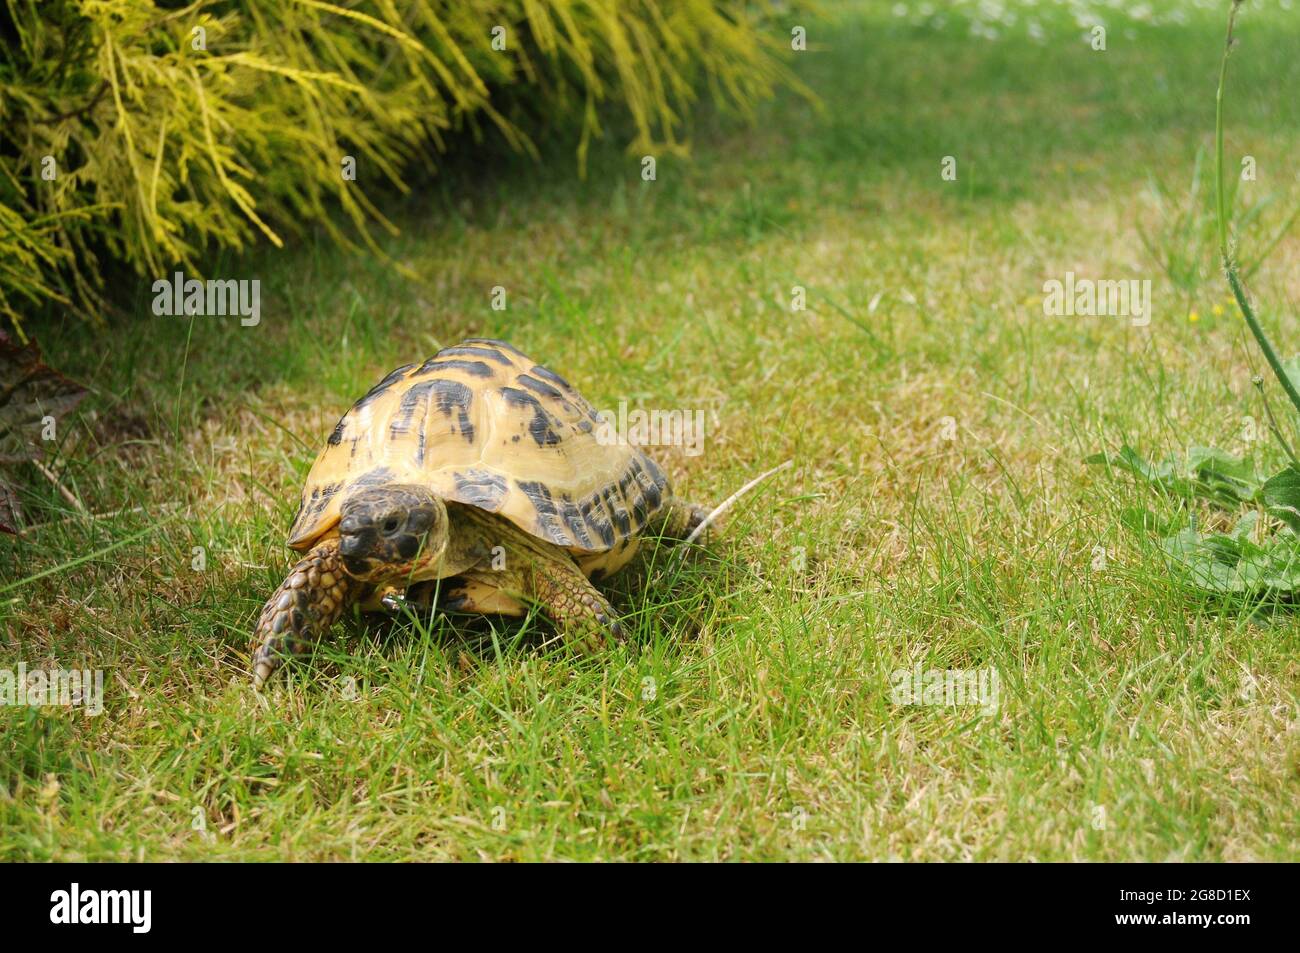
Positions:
{"x": 159, "y": 132}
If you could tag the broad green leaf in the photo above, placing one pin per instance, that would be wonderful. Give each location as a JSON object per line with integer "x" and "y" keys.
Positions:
{"x": 1202, "y": 473}
{"x": 1231, "y": 563}
{"x": 1222, "y": 473}
{"x": 1281, "y": 497}
{"x": 1141, "y": 520}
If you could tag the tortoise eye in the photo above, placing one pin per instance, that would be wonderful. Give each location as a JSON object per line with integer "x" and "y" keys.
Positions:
{"x": 391, "y": 524}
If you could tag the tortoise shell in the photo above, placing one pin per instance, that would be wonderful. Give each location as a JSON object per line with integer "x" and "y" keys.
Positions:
{"x": 484, "y": 425}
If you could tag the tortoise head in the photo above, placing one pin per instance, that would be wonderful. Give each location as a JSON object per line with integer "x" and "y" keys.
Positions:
{"x": 392, "y": 533}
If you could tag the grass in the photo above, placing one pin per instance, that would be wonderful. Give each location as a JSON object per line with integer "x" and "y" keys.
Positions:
{"x": 1136, "y": 721}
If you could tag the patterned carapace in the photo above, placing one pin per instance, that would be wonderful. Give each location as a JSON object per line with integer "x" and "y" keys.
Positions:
{"x": 482, "y": 424}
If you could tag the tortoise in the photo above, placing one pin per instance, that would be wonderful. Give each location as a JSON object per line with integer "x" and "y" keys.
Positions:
{"x": 480, "y": 468}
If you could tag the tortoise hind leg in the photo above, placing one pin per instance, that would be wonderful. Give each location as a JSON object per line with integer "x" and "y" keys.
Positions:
{"x": 677, "y": 520}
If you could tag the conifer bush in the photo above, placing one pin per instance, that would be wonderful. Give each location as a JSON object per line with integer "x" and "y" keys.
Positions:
{"x": 154, "y": 133}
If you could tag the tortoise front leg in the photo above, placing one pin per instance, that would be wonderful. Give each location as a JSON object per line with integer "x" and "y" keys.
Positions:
{"x": 547, "y": 576}
{"x": 585, "y": 617}
{"x": 308, "y": 602}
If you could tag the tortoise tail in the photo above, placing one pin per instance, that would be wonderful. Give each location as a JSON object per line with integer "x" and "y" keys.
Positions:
{"x": 307, "y": 603}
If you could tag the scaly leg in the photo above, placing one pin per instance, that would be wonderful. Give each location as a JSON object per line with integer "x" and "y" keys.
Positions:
{"x": 677, "y": 520}
{"x": 584, "y": 615}
{"x": 308, "y": 602}
{"x": 532, "y": 571}
{"x": 537, "y": 572}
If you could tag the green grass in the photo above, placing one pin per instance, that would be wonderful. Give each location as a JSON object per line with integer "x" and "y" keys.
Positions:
{"x": 771, "y": 733}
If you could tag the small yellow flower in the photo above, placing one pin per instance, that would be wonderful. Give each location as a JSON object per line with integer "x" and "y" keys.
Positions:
{"x": 1193, "y": 316}
{"x": 1218, "y": 310}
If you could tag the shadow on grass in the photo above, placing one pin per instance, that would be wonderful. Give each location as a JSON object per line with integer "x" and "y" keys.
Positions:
{"x": 658, "y": 596}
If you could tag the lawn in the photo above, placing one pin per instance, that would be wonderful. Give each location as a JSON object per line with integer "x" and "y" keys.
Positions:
{"x": 938, "y": 513}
